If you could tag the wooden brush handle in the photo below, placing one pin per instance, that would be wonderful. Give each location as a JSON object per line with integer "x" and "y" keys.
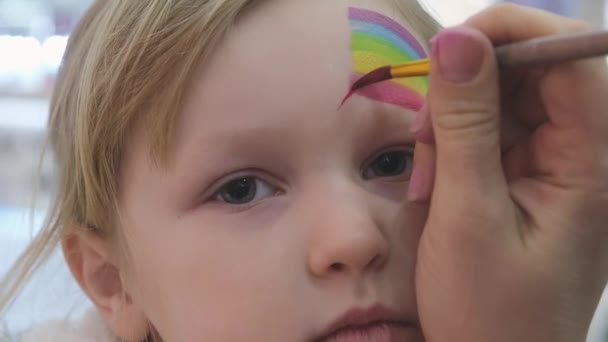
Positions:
{"x": 553, "y": 49}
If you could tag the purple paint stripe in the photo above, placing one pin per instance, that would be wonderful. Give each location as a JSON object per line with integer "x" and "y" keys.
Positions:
{"x": 392, "y": 93}
{"x": 390, "y": 24}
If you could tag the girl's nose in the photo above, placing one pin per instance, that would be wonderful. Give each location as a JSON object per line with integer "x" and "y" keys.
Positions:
{"x": 346, "y": 240}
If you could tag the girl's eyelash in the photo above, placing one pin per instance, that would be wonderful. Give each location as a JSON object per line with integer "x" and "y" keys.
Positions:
{"x": 409, "y": 148}
{"x": 211, "y": 194}
{"x": 223, "y": 180}
{"x": 237, "y": 208}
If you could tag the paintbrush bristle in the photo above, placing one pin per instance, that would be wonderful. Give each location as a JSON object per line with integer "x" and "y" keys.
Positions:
{"x": 375, "y": 76}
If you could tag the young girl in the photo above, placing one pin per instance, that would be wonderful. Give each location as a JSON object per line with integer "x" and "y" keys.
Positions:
{"x": 211, "y": 190}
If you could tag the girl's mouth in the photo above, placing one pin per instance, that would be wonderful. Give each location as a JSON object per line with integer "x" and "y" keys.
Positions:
{"x": 377, "y": 324}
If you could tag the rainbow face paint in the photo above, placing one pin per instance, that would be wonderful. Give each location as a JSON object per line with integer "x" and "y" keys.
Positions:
{"x": 377, "y": 41}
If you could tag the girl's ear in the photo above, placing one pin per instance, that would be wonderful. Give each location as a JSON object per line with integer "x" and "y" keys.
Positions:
{"x": 88, "y": 259}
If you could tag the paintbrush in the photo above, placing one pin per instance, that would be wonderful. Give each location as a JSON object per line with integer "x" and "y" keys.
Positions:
{"x": 529, "y": 53}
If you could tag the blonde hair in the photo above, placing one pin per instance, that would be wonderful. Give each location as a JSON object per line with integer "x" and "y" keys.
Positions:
{"x": 121, "y": 58}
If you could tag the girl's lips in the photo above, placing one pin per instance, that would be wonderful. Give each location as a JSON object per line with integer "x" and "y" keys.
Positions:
{"x": 376, "y": 324}
{"x": 374, "y": 332}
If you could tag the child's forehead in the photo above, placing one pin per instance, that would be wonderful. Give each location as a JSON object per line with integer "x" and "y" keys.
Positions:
{"x": 281, "y": 30}
{"x": 283, "y": 59}
{"x": 316, "y": 15}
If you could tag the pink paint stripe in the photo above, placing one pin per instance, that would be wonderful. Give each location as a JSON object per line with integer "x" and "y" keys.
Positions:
{"x": 392, "y": 93}
{"x": 379, "y": 19}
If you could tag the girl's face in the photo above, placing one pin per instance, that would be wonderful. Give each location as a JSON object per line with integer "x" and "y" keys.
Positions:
{"x": 283, "y": 217}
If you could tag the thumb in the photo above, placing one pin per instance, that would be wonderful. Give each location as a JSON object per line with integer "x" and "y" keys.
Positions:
{"x": 465, "y": 110}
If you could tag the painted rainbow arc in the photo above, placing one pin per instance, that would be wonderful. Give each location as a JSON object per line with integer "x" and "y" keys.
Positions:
{"x": 377, "y": 41}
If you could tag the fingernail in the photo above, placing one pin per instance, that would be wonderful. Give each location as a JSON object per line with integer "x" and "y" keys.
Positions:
{"x": 419, "y": 120}
{"x": 417, "y": 184}
{"x": 459, "y": 54}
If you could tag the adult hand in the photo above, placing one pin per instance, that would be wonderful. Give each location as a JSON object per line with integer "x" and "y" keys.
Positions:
{"x": 516, "y": 168}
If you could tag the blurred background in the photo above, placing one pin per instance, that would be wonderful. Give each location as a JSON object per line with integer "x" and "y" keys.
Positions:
{"x": 33, "y": 36}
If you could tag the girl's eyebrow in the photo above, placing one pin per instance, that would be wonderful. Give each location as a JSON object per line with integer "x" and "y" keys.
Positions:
{"x": 376, "y": 116}
{"x": 234, "y": 133}
{"x": 391, "y": 93}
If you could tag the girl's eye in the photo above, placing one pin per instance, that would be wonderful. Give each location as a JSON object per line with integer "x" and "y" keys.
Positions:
{"x": 244, "y": 190}
{"x": 390, "y": 164}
